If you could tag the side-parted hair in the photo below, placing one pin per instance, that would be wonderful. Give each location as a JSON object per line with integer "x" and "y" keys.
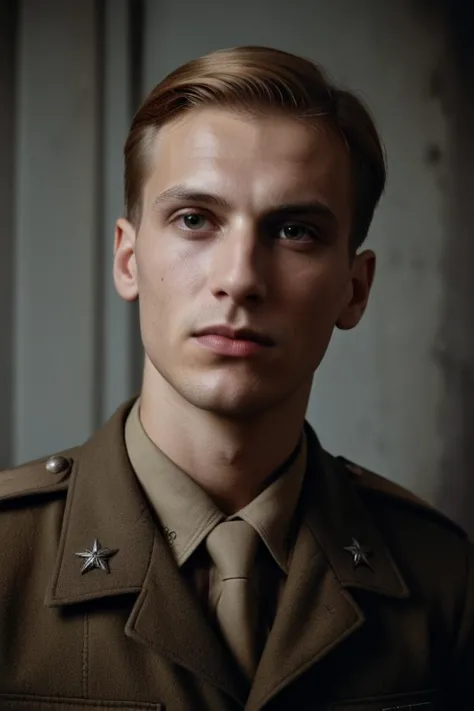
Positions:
{"x": 260, "y": 80}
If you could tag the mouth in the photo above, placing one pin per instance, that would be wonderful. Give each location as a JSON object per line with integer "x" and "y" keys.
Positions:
{"x": 227, "y": 341}
{"x": 240, "y": 334}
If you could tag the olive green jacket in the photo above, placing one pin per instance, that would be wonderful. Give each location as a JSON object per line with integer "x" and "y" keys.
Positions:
{"x": 395, "y": 634}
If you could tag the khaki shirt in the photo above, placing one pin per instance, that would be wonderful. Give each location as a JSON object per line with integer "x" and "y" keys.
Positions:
{"x": 187, "y": 515}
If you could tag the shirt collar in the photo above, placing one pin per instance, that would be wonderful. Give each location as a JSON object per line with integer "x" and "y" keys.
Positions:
{"x": 271, "y": 513}
{"x": 187, "y": 513}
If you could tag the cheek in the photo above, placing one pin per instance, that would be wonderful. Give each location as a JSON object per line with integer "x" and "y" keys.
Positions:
{"x": 317, "y": 294}
{"x": 315, "y": 308}
{"x": 168, "y": 273}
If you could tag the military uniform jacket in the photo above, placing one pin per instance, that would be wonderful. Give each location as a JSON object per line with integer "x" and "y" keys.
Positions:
{"x": 397, "y": 633}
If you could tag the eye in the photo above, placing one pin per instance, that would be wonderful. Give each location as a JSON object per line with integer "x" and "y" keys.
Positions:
{"x": 192, "y": 221}
{"x": 295, "y": 232}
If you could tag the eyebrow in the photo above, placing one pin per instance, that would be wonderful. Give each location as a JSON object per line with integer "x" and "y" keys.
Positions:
{"x": 179, "y": 193}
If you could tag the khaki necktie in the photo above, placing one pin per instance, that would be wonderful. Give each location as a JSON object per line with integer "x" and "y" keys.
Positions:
{"x": 232, "y": 546}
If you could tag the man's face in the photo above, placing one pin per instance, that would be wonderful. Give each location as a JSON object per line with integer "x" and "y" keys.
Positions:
{"x": 245, "y": 225}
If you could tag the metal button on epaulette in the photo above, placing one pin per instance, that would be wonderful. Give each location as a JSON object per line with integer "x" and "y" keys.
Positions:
{"x": 57, "y": 464}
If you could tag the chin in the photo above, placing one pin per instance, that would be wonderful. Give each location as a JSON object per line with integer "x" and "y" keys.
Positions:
{"x": 234, "y": 402}
{"x": 231, "y": 395}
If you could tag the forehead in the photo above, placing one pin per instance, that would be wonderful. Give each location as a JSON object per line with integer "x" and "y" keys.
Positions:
{"x": 252, "y": 159}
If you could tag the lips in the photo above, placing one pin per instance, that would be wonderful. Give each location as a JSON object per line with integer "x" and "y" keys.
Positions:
{"x": 240, "y": 334}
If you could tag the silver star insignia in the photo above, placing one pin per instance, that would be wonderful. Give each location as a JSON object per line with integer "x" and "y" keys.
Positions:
{"x": 96, "y": 558}
{"x": 359, "y": 553}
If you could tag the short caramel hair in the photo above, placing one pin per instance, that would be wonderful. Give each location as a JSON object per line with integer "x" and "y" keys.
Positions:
{"x": 260, "y": 80}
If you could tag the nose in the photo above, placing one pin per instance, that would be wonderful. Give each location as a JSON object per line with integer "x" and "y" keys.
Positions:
{"x": 237, "y": 267}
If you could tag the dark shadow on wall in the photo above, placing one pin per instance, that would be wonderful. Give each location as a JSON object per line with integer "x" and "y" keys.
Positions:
{"x": 453, "y": 85}
{"x": 137, "y": 42}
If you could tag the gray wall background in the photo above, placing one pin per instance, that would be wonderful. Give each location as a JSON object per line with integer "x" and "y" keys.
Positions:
{"x": 397, "y": 394}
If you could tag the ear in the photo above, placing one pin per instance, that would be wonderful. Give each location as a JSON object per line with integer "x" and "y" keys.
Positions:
{"x": 362, "y": 276}
{"x": 125, "y": 264}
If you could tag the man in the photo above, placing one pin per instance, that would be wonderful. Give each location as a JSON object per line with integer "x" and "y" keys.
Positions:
{"x": 202, "y": 551}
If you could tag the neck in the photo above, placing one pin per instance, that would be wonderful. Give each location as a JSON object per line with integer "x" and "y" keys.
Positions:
{"x": 230, "y": 459}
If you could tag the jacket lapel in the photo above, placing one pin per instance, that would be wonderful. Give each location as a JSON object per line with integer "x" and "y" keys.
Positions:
{"x": 317, "y": 612}
{"x": 105, "y": 502}
{"x": 167, "y": 618}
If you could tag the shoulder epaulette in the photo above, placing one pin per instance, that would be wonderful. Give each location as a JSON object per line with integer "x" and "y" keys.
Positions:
{"x": 378, "y": 485}
{"x": 41, "y": 476}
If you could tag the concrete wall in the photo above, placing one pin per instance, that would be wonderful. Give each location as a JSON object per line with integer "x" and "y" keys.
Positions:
{"x": 454, "y": 350}
{"x": 397, "y": 393}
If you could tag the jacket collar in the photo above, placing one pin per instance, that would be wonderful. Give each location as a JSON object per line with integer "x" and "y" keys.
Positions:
{"x": 336, "y": 514}
{"x": 104, "y": 501}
